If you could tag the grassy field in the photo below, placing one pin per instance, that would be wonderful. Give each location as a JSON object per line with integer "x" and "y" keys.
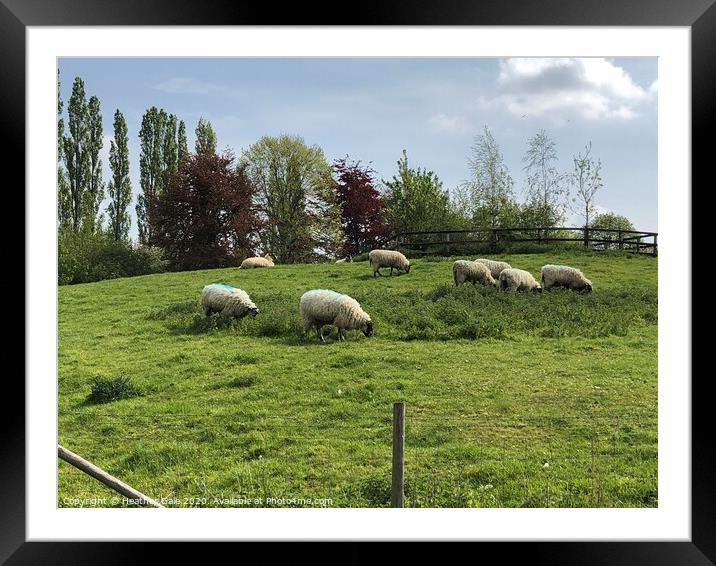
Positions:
{"x": 512, "y": 400}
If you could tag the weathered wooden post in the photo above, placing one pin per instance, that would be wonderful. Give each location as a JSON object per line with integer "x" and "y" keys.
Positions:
{"x": 110, "y": 481}
{"x": 586, "y": 237}
{"x": 655, "y": 252}
{"x": 398, "y": 484}
{"x": 621, "y": 242}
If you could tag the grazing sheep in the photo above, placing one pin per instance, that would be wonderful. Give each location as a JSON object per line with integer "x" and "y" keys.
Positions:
{"x": 495, "y": 267}
{"x": 227, "y": 300}
{"x": 518, "y": 280}
{"x": 251, "y": 262}
{"x": 347, "y": 259}
{"x": 388, "y": 258}
{"x": 565, "y": 276}
{"x": 472, "y": 271}
{"x": 321, "y": 307}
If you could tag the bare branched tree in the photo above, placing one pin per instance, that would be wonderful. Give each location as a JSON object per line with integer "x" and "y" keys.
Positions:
{"x": 587, "y": 180}
{"x": 546, "y": 188}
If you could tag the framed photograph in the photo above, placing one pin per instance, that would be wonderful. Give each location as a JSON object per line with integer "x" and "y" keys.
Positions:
{"x": 305, "y": 274}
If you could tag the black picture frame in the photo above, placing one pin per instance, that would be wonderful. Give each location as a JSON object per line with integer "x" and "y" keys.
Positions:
{"x": 699, "y": 15}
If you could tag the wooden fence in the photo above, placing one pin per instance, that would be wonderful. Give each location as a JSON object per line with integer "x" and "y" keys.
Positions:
{"x": 632, "y": 241}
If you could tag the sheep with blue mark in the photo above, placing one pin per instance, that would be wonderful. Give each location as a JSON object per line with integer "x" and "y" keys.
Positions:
{"x": 227, "y": 300}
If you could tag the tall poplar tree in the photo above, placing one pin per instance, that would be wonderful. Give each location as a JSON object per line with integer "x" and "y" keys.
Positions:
{"x": 95, "y": 187}
{"x": 151, "y": 135}
{"x": 170, "y": 157}
{"x": 205, "y": 137}
{"x": 120, "y": 187}
{"x": 182, "y": 144}
{"x": 64, "y": 201}
{"x": 75, "y": 153}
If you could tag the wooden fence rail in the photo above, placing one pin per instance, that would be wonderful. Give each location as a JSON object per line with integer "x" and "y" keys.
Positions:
{"x": 110, "y": 481}
{"x": 634, "y": 241}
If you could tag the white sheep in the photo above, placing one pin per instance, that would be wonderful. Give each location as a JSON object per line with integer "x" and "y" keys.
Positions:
{"x": 252, "y": 262}
{"x": 388, "y": 258}
{"x": 321, "y": 307}
{"x": 565, "y": 276}
{"x": 472, "y": 271}
{"x": 495, "y": 267}
{"x": 518, "y": 280}
{"x": 347, "y": 259}
{"x": 227, "y": 300}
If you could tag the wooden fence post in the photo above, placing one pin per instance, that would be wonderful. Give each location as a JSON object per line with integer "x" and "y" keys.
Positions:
{"x": 398, "y": 481}
{"x": 99, "y": 474}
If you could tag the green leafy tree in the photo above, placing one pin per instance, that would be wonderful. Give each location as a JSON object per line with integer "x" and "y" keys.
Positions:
{"x": 94, "y": 195}
{"x": 120, "y": 187}
{"x": 151, "y": 166}
{"x": 546, "y": 188}
{"x": 205, "y": 137}
{"x": 75, "y": 153}
{"x": 491, "y": 185}
{"x": 610, "y": 221}
{"x": 416, "y": 200}
{"x": 295, "y": 199}
{"x": 182, "y": 145}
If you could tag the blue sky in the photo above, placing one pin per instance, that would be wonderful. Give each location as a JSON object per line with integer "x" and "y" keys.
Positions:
{"x": 373, "y": 108}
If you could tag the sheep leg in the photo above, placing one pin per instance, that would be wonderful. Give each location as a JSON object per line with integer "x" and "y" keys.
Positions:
{"x": 319, "y": 331}
{"x": 391, "y": 272}
{"x": 207, "y": 312}
{"x": 341, "y": 334}
{"x": 378, "y": 272}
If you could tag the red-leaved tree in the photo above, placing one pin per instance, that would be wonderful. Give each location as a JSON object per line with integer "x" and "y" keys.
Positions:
{"x": 362, "y": 207}
{"x": 205, "y": 217}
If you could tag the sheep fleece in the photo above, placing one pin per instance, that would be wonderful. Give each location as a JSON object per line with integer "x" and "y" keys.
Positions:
{"x": 464, "y": 271}
{"x": 495, "y": 267}
{"x": 328, "y": 307}
{"x": 251, "y": 262}
{"x": 388, "y": 258}
{"x": 227, "y": 300}
{"x": 564, "y": 276}
{"x": 518, "y": 280}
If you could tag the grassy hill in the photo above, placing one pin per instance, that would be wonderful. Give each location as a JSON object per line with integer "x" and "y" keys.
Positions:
{"x": 512, "y": 400}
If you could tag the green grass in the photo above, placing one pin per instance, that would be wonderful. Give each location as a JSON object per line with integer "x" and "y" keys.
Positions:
{"x": 512, "y": 400}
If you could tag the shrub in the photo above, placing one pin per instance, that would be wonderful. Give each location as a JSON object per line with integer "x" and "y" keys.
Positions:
{"x": 86, "y": 257}
{"x": 245, "y": 380}
{"x": 107, "y": 389}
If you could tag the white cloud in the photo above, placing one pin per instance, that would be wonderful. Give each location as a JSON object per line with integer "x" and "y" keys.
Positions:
{"x": 444, "y": 123}
{"x": 565, "y": 88}
{"x": 187, "y": 85}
